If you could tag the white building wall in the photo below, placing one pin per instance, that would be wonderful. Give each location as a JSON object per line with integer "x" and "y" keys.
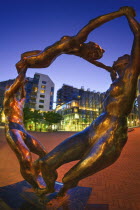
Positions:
{"x": 44, "y": 94}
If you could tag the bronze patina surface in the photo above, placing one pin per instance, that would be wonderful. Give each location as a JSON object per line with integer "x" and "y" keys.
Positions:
{"x": 100, "y": 144}
{"x": 20, "y": 141}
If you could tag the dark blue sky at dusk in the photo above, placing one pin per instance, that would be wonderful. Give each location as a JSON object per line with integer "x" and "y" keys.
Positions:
{"x": 35, "y": 24}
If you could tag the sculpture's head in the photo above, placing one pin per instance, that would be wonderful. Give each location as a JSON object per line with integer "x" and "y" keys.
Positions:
{"x": 92, "y": 50}
{"x": 120, "y": 64}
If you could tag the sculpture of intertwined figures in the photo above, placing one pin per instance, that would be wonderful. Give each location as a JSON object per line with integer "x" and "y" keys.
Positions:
{"x": 100, "y": 144}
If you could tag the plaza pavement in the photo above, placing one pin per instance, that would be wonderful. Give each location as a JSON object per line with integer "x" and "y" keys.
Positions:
{"x": 117, "y": 186}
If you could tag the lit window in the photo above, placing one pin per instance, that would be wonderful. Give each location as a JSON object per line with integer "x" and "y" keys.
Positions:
{"x": 75, "y": 110}
{"x": 42, "y": 96}
{"x": 41, "y": 101}
{"x": 44, "y": 82}
{"x": 43, "y": 86}
{"x": 35, "y": 89}
{"x": 42, "y": 91}
{"x": 41, "y": 106}
{"x": 51, "y": 93}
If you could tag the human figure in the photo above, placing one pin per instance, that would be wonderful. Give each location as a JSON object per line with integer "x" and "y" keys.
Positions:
{"x": 21, "y": 142}
{"x": 70, "y": 45}
{"x": 100, "y": 144}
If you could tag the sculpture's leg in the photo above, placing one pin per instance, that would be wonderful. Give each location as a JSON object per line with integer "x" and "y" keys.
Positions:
{"x": 36, "y": 147}
{"x": 23, "y": 154}
{"x": 97, "y": 158}
{"x": 69, "y": 150}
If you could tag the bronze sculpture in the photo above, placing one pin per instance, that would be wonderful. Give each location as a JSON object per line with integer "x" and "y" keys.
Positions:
{"x": 100, "y": 144}
{"x": 73, "y": 45}
{"x": 20, "y": 141}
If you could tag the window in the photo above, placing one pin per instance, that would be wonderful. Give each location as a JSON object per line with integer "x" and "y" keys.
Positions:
{"x": 51, "y": 98}
{"x": 50, "y": 107}
{"x": 42, "y": 96}
{"x": 51, "y": 93}
{"x": 44, "y": 82}
{"x": 41, "y": 101}
{"x": 42, "y": 91}
{"x": 43, "y": 86}
{"x": 35, "y": 89}
{"x": 52, "y": 89}
{"x": 36, "y": 79}
{"x": 36, "y": 76}
{"x": 75, "y": 110}
{"x": 41, "y": 106}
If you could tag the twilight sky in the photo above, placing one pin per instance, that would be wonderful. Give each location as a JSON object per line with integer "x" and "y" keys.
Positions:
{"x": 35, "y": 24}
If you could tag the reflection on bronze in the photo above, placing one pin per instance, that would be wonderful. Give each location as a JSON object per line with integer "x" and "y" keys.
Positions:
{"x": 100, "y": 144}
{"x": 21, "y": 142}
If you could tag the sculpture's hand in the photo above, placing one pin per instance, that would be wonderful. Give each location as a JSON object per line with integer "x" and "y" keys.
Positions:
{"x": 109, "y": 69}
{"x": 128, "y": 11}
{"x": 21, "y": 64}
{"x": 113, "y": 75}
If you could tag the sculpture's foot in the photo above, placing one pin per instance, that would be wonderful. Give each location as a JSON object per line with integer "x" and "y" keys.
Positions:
{"x": 36, "y": 167}
{"x": 41, "y": 191}
{"x": 58, "y": 201}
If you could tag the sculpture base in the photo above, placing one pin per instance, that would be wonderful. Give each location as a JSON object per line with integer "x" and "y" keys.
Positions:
{"x": 20, "y": 196}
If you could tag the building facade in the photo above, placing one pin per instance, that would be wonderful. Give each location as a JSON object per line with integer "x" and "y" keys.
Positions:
{"x": 78, "y": 107}
{"x": 39, "y": 92}
{"x": 42, "y": 93}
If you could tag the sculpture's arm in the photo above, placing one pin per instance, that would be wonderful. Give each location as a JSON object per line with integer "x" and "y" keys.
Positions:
{"x": 110, "y": 69}
{"x": 135, "y": 52}
{"x": 23, "y": 91}
{"x": 19, "y": 81}
{"x": 94, "y": 23}
{"x": 99, "y": 64}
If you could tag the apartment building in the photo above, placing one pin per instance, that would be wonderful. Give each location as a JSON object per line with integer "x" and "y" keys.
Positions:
{"x": 42, "y": 93}
{"x": 39, "y": 92}
{"x": 78, "y": 107}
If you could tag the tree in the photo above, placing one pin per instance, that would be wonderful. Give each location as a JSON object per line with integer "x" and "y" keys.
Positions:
{"x": 37, "y": 117}
{"x": 34, "y": 116}
{"x": 27, "y": 115}
{"x": 52, "y": 118}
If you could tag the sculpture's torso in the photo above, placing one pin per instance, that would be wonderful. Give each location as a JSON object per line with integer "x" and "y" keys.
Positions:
{"x": 121, "y": 95}
{"x": 109, "y": 130}
{"x": 13, "y": 109}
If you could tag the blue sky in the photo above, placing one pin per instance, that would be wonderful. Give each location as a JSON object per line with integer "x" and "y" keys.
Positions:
{"x": 35, "y": 24}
